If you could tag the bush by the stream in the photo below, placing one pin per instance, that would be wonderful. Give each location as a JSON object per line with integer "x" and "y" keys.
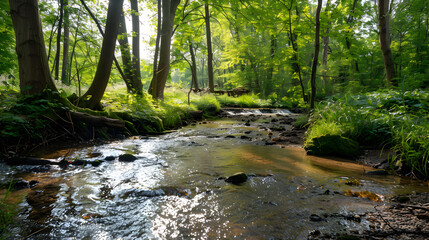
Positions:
{"x": 382, "y": 119}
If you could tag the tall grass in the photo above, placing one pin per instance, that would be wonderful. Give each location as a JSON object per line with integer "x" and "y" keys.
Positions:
{"x": 380, "y": 119}
{"x": 7, "y": 212}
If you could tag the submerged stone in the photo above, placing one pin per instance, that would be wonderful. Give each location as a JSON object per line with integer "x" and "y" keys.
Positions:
{"x": 334, "y": 145}
{"x": 237, "y": 178}
{"x": 127, "y": 157}
{"x": 109, "y": 158}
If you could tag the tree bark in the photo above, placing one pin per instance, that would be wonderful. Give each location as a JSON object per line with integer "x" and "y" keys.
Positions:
{"x": 118, "y": 67}
{"x": 101, "y": 78}
{"x": 325, "y": 40}
{"x": 34, "y": 72}
{"x": 316, "y": 55}
{"x": 60, "y": 26}
{"x": 295, "y": 65}
{"x": 383, "y": 21}
{"x": 193, "y": 67}
{"x": 137, "y": 83}
{"x": 155, "y": 58}
{"x": 168, "y": 12}
{"x": 124, "y": 46}
{"x": 209, "y": 47}
{"x": 65, "y": 67}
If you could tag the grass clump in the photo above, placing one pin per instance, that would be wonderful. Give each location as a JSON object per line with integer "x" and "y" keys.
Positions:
{"x": 208, "y": 104}
{"x": 380, "y": 119}
{"x": 243, "y": 101}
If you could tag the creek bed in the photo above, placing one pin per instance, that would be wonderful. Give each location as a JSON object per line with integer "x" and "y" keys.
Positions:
{"x": 175, "y": 189}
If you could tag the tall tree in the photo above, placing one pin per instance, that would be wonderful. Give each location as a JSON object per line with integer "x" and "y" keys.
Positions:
{"x": 137, "y": 83}
{"x": 101, "y": 78}
{"x": 65, "y": 67}
{"x": 209, "y": 47}
{"x": 168, "y": 13}
{"x": 60, "y": 26}
{"x": 316, "y": 55}
{"x": 34, "y": 72}
{"x": 124, "y": 46}
{"x": 383, "y": 22}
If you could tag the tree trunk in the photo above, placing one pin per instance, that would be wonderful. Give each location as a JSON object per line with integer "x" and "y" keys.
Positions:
{"x": 137, "y": 83}
{"x": 101, "y": 78}
{"x": 383, "y": 21}
{"x": 316, "y": 55}
{"x": 57, "y": 55}
{"x": 325, "y": 40}
{"x": 209, "y": 47}
{"x": 34, "y": 72}
{"x": 193, "y": 67}
{"x": 124, "y": 46}
{"x": 118, "y": 67}
{"x": 65, "y": 67}
{"x": 168, "y": 12}
{"x": 155, "y": 58}
{"x": 269, "y": 84}
{"x": 349, "y": 21}
{"x": 295, "y": 65}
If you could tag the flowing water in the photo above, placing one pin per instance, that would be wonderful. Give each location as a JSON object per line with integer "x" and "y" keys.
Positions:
{"x": 175, "y": 190}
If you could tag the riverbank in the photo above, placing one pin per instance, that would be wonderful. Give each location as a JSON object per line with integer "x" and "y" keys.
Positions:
{"x": 279, "y": 128}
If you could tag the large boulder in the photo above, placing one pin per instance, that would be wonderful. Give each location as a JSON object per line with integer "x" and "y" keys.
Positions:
{"x": 333, "y": 145}
{"x": 237, "y": 178}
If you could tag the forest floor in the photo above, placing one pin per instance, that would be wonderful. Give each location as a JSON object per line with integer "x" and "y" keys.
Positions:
{"x": 403, "y": 217}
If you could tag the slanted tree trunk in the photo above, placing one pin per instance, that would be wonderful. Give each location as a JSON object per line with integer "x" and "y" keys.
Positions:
{"x": 316, "y": 55}
{"x": 209, "y": 47}
{"x": 102, "y": 74}
{"x": 383, "y": 22}
{"x": 137, "y": 83}
{"x": 168, "y": 12}
{"x": 118, "y": 67}
{"x": 60, "y": 26}
{"x": 124, "y": 46}
{"x": 65, "y": 67}
{"x": 34, "y": 75}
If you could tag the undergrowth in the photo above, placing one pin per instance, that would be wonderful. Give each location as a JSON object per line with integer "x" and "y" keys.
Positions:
{"x": 382, "y": 119}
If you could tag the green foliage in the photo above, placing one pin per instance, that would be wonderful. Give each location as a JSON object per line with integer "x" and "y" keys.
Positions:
{"x": 334, "y": 145}
{"x": 302, "y": 121}
{"x": 27, "y": 117}
{"x": 7, "y": 212}
{"x": 208, "y": 104}
{"x": 244, "y": 101}
{"x": 380, "y": 119}
{"x": 8, "y": 61}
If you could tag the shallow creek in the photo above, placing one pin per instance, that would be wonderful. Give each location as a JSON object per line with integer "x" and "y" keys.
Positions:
{"x": 174, "y": 190}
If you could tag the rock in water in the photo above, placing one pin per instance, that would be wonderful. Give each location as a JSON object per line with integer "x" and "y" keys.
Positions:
{"x": 237, "y": 178}
{"x": 127, "y": 157}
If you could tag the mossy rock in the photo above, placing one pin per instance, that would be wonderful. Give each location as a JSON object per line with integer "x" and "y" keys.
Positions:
{"x": 334, "y": 145}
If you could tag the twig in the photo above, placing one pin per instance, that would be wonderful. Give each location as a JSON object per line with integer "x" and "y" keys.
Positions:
{"x": 36, "y": 232}
{"x": 414, "y": 206}
{"x": 379, "y": 214}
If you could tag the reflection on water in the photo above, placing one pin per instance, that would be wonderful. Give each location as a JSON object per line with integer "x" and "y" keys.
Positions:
{"x": 174, "y": 190}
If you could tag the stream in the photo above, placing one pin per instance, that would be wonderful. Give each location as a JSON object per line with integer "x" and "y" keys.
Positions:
{"x": 176, "y": 189}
